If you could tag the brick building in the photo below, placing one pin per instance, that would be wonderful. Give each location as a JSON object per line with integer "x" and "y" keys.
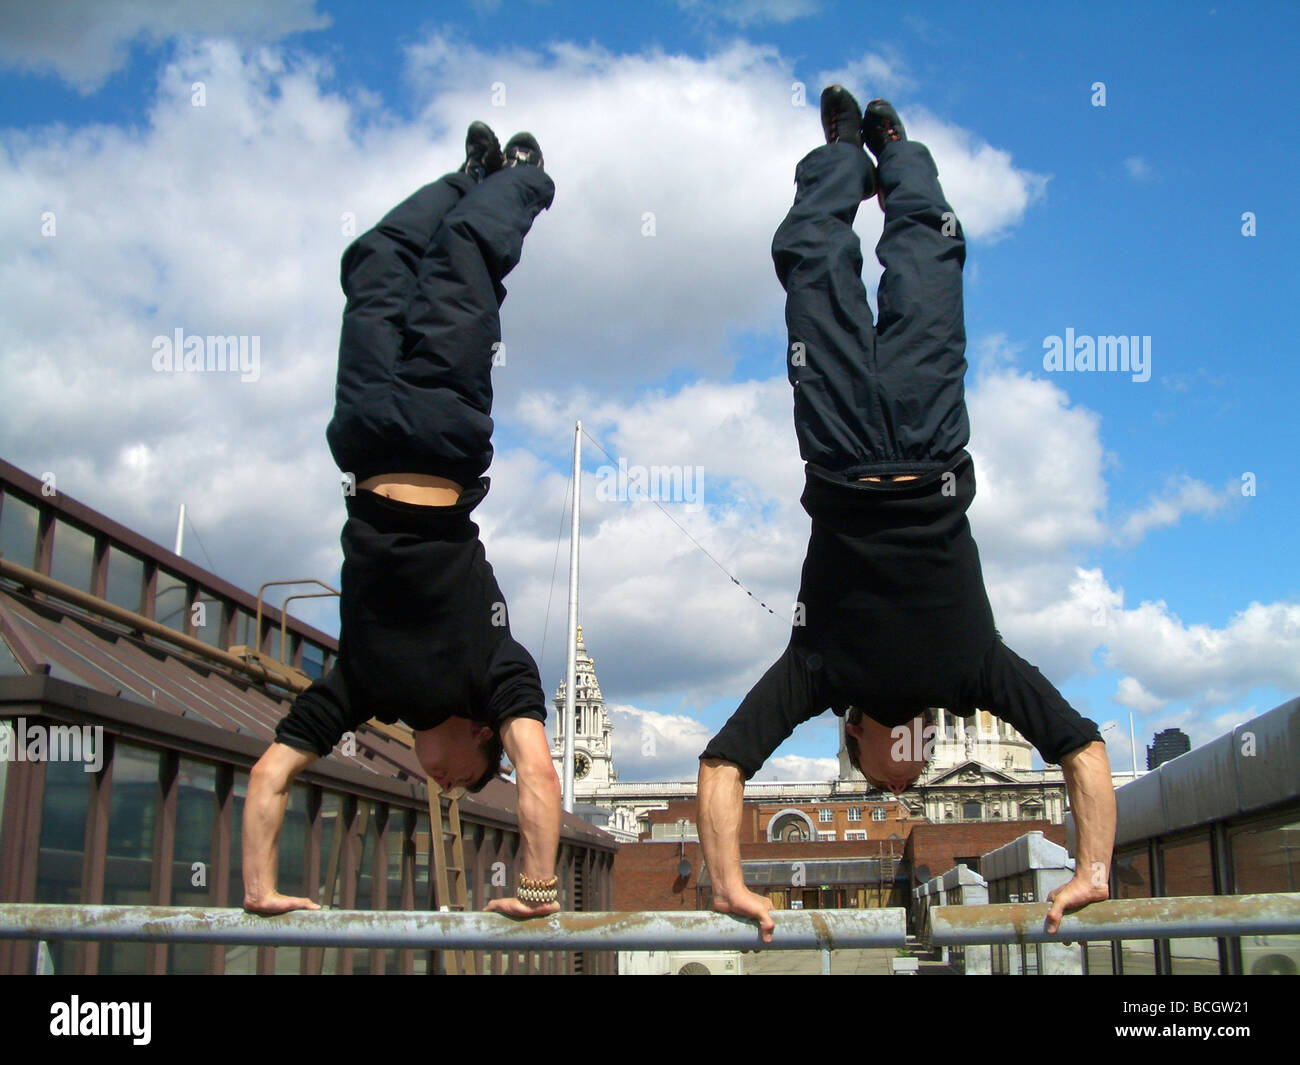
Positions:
{"x": 827, "y": 820}
{"x": 802, "y": 875}
{"x": 787, "y": 854}
{"x": 933, "y": 849}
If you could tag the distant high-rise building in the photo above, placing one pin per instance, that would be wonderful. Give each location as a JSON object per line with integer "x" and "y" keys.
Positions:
{"x": 1169, "y": 743}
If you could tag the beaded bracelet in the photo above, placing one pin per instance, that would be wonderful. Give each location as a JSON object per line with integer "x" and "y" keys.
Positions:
{"x": 538, "y": 890}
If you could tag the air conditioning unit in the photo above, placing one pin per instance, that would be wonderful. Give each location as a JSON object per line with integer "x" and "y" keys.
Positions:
{"x": 694, "y": 963}
{"x": 680, "y": 963}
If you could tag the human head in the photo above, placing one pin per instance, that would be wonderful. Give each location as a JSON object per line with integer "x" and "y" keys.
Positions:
{"x": 891, "y": 759}
{"x": 460, "y": 753}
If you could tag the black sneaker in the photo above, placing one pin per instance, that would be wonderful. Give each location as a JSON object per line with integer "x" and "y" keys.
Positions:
{"x": 841, "y": 116}
{"x": 482, "y": 152}
{"x": 523, "y": 150}
{"x": 880, "y": 125}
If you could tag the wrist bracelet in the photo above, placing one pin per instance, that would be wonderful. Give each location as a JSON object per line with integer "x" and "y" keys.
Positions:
{"x": 543, "y": 891}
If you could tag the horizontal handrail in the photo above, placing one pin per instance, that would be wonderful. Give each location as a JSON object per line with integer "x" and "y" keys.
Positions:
{"x": 1189, "y": 917}
{"x": 1209, "y": 916}
{"x": 671, "y": 930}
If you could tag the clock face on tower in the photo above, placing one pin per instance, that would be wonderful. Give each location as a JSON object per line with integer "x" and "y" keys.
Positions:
{"x": 581, "y": 766}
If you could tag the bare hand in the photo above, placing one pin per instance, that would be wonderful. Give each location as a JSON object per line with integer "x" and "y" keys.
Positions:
{"x": 276, "y": 904}
{"x": 513, "y": 907}
{"x": 748, "y": 904}
{"x": 1071, "y": 896}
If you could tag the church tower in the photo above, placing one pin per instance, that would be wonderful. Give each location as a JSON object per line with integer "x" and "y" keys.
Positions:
{"x": 592, "y": 755}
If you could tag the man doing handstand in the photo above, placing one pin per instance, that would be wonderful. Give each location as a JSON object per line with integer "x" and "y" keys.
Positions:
{"x": 423, "y": 633}
{"x": 895, "y": 617}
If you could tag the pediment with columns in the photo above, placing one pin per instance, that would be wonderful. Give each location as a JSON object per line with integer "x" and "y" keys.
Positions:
{"x": 971, "y": 772}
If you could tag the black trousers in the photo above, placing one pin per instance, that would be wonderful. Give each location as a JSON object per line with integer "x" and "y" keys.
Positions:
{"x": 892, "y": 613}
{"x": 882, "y": 397}
{"x": 424, "y": 633}
{"x": 422, "y": 325}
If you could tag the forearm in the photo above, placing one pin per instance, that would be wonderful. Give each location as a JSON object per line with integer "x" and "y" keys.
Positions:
{"x": 539, "y": 809}
{"x": 263, "y": 816}
{"x": 1092, "y": 799}
{"x": 721, "y": 805}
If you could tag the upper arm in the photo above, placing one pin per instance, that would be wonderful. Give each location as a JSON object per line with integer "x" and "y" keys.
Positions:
{"x": 320, "y": 716}
{"x": 1019, "y": 694}
{"x": 787, "y": 695}
{"x": 524, "y": 739}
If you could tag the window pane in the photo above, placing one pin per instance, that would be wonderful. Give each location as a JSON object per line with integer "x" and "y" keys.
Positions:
{"x": 18, "y": 531}
{"x": 1189, "y": 870}
{"x": 396, "y": 850}
{"x": 74, "y": 556}
{"x": 290, "y": 868}
{"x": 63, "y": 838}
{"x": 1132, "y": 880}
{"x": 365, "y": 878}
{"x": 128, "y": 868}
{"x": 331, "y": 805}
{"x": 423, "y": 860}
{"x": 368, "y": 812}
{"x": 313, "y": 660}
{"x": 212, "y": 617}
{"x": 1266, "y": 858}
{"x": 396, "y": 839}
{"x": 196, "y": 809}
{"x": 245, "y": 628}
{"x": 293, "y": 843}
{"x": 8, "y": 663}
{"x": 327, "y": 890}
{"x": 125, "y": 585}
{"x": 169, "y": 601}
{"x": 241, "y": 959}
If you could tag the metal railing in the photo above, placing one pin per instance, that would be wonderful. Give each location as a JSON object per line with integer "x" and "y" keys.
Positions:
{"x": 821, "y": 930}
{"x": 259, "y": 670}
{"x": 1190, "y": 917}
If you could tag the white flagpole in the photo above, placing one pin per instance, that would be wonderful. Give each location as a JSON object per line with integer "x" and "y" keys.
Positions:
{"x": 571, "y": 669}
{"x": 180, "y": 530}
{"x": 1132, "y": 743}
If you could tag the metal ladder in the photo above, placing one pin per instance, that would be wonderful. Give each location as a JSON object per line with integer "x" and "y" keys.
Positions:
{"x": 449, "y": 896}
{"x": 887, "y": 871}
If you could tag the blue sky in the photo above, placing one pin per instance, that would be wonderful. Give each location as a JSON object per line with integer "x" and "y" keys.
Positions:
{"x": 1122, "y": 219}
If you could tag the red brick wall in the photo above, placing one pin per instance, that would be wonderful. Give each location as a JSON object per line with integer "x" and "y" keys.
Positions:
{"x": 645, "y": 877}
{"x": 645, "y": 874}
{"x": 936, "y": 846}
{"x": 758, "y": 814}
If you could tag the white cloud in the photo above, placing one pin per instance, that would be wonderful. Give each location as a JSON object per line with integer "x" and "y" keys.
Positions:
{"x": 793, "y": 767}
{"x": 711, "y": 157}
{"x": 867, "y": 77}
{"x": 988, "y": 193}
{"x": 1130, "y": 693}
{"x": 1185, "y": 495}
{"x": 1138, "y": 168}
{"x": 751, "y": 12}
{"x": 1204, "y": 665}
{"x": 1040, "y": 462}
{"x": 84, "y": 43}
{"x": 227, "y": 219}
{"x": 651, "y": 746}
